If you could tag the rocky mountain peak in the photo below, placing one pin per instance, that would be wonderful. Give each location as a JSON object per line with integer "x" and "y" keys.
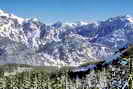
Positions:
{"x": 29, "y": 41}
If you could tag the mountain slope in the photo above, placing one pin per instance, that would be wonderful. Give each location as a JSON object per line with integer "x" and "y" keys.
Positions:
{"x": 29, "y": 41}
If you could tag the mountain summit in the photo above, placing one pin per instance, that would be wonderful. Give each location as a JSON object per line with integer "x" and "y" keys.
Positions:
{"x": 29, "y": 41}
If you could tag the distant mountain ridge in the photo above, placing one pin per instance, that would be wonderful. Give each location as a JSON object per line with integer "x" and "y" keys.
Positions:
{"x": 29, "y": 41}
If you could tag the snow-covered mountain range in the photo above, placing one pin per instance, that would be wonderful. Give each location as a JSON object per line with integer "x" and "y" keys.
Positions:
{"x": 29, "y": 41}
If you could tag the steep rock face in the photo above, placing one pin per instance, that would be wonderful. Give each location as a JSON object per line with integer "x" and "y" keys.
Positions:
{"x": 116, "y": 32}
{"x": 29, "y": 41}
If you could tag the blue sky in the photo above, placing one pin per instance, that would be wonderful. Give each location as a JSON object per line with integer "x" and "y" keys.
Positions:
{"x": 50, "y": 11}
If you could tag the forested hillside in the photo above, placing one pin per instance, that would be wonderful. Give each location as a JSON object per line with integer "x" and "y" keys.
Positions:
{"x": 110, "y": 76}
